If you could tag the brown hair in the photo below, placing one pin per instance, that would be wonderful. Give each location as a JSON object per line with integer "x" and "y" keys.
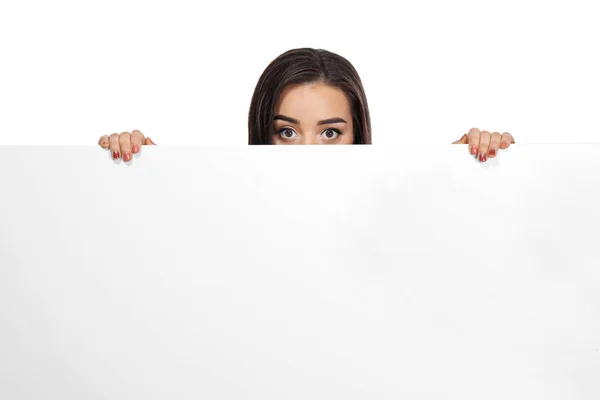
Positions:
{"x": 300, "y": 66}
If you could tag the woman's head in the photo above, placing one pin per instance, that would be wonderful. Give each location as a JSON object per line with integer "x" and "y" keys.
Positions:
{"x": 309, "y": 96}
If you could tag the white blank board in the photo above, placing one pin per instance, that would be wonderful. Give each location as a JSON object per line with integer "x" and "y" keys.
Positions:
{"x": 300, "y": 272}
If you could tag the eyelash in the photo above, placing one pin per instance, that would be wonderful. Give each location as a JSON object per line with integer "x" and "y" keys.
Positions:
{"x": 328, "y": 129}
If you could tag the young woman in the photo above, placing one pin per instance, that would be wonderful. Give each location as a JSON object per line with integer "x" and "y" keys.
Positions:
{"x": 310, "y": 96}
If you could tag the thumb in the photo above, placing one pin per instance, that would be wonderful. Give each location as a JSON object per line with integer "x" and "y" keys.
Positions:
{"x": 149, "y": 141}
{"x": 463, "y": 140}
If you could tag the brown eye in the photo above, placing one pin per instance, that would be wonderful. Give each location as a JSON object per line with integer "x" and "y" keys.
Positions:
{"x": 331, "y": 133}
{"x": 287, "y": 133}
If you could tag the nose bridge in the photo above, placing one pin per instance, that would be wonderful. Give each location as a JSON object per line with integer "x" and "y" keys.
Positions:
{"x": 308, "y": 138}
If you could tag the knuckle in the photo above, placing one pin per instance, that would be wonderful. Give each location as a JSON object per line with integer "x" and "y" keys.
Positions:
{"x": 136, "y": 136}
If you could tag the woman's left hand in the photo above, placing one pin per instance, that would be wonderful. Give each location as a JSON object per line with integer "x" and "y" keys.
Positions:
{"x": 484, "y": 143}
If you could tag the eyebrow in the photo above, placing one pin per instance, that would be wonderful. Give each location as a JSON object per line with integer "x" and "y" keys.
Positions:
{"x": 285, "y": 118}
{"x": 331, "y": 121}
{"x": 322, "y": 122}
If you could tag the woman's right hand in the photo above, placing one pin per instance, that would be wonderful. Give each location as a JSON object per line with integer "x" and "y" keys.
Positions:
{"x": 125, "y": 144}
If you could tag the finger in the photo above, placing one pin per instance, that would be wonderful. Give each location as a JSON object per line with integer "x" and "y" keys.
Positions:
{"x": 149, "y": 141}
{"x": 137, "y": 138}
{"x": 104, "y": 142}
{"x": 484, "y": 145}
{"x": 506, "y": 140}
{"x": 473, "y": 140}
{"x": 125, "y": 144}
{"x": 115, "y": 149}
{"x": 463, "y": 140}
{"x": 494, "y": 144}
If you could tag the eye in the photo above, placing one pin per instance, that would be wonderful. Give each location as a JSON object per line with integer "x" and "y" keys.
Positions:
{"x": 331, "y": 133}
{"x": 287, "y": 133}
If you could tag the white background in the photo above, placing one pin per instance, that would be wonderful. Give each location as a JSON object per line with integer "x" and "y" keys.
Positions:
{"x": 184, "y": 72}
{"x": 243, "y": 272}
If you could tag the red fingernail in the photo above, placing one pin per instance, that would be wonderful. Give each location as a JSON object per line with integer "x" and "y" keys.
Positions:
{"x": 504, "y": 144}
{"x": 116, "y": 155}
{"x": 482, "y": 157}
{"x": 127, "y": 157}
{"x": 473, "y": 150}
{"x": 492, "y": 152}
{"x": 135, "y": 148}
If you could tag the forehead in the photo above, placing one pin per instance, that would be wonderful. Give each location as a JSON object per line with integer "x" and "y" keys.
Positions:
{"x": 312, "y": 102}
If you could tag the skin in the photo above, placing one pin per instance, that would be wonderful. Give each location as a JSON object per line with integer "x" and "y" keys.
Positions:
{"x": 484, "y": 144}
{"x": 313, "y": 113}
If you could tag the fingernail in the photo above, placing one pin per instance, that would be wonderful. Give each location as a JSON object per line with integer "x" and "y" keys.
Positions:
{"x": 504, "y": 144}
{"x": 482, "y": 157}
{"x": 127, "y": 157}
{"x": 116, "y": 155}
{"x": 135, "y": 148}
{"x": 492, "y": 152}
{"x": 473, "y": 150}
